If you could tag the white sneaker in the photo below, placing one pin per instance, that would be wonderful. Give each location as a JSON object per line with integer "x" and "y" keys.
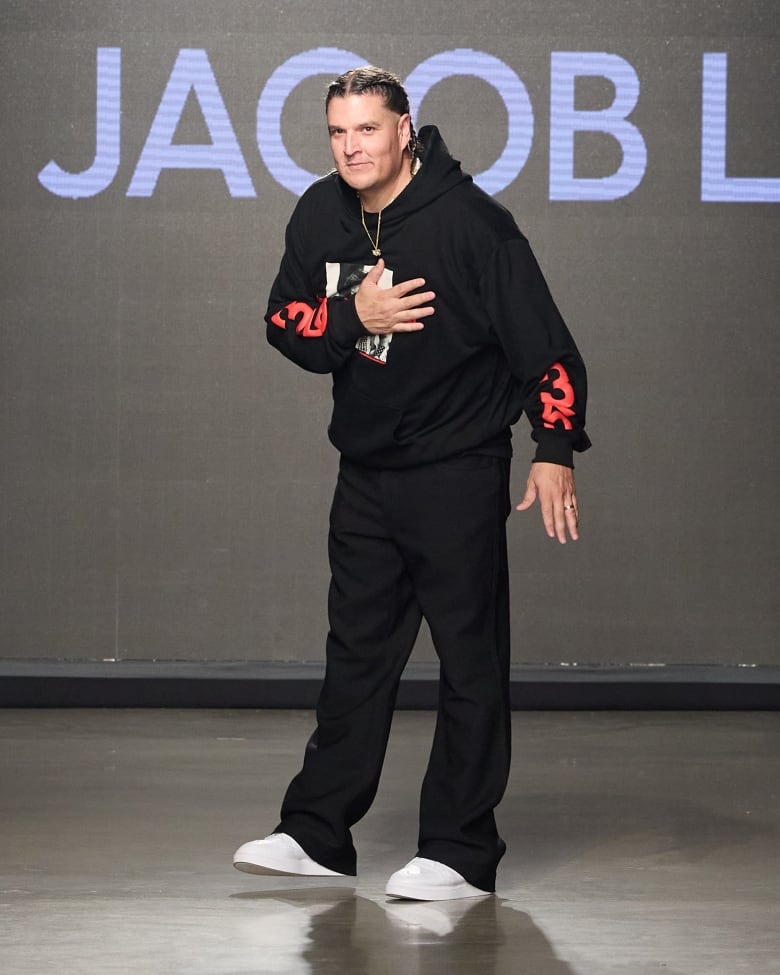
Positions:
{"x": 279, "y": 855}
{"x": 429, "y": 880}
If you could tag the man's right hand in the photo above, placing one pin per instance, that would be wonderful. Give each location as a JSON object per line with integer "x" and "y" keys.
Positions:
{"x": 386, "y": 310}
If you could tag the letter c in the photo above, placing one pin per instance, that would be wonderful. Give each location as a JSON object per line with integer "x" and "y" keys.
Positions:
{"x": 320, "y": 60}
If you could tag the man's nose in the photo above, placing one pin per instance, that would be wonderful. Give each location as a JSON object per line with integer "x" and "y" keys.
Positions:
{"x": 351, "y": 144}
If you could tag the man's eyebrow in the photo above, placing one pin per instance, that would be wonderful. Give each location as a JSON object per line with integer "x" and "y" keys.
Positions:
{"x": 375, "y": 122}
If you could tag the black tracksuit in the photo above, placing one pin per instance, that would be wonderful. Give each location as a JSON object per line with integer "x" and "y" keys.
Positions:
{"x": 422, "y": 421}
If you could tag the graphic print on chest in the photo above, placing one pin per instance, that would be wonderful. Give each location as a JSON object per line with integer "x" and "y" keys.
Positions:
{"x": 342, "y": 280}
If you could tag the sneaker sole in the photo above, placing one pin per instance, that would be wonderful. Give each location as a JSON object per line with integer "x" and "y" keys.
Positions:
{"x": 282, "y": 869}
{"x": 419, "y": 892}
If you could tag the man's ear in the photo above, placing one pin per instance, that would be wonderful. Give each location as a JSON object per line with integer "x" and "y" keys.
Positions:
{"x": 405, "y": 130}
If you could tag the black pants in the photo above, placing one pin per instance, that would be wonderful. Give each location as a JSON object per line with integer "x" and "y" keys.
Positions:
{"x": 428, "y": 541}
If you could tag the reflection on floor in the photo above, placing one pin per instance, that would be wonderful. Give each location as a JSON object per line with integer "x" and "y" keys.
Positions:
{"x": 638, "y": 843}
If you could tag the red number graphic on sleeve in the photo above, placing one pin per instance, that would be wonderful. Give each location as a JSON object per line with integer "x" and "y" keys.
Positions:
{"x": 310, "y": 323}
{"x": 557, "y": 405}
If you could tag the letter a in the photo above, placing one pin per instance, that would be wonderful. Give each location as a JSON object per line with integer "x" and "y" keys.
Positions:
{"x": 192, "y": 72}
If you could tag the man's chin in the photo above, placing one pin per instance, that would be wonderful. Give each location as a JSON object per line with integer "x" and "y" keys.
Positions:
{"x": 360, "y": 180}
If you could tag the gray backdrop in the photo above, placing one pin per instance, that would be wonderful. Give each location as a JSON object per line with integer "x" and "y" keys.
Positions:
{"x": 166, "y": 476}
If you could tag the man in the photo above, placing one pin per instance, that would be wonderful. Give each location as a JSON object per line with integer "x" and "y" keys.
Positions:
{"x": 419, "y": 294}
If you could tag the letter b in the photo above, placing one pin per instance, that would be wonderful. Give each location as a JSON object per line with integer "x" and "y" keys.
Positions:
{"x": 565, "y": 120}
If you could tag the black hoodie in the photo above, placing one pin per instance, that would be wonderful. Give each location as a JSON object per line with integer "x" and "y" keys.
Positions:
{"x": 496, "y": 345}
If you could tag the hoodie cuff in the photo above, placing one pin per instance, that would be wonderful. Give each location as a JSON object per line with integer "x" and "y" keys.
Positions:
{"x": 552, "y": 449}
{"x": 349, "y": 327}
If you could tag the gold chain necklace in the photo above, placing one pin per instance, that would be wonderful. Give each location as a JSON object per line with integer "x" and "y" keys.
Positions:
{"x": 374, "y": 243}
{"x": 416, "y": 163}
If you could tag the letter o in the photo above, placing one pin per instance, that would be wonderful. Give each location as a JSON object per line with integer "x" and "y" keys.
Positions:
{"x": 498, "y": 74}
{"x": 320, "y": 60}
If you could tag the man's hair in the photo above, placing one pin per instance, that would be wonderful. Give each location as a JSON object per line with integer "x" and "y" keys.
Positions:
{"x": 370, "y": 80}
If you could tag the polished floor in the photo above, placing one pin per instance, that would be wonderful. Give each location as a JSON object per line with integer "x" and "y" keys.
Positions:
{"x": 639, "y": 843}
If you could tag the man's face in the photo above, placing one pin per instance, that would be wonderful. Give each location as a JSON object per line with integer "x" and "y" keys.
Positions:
{"x": 368, "y": 141}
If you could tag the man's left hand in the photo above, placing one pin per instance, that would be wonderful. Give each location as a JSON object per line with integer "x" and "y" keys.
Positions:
{"x": 553, "y": 485}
